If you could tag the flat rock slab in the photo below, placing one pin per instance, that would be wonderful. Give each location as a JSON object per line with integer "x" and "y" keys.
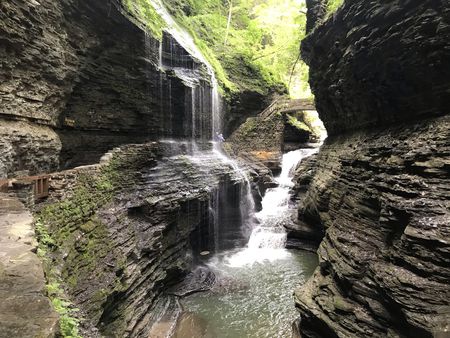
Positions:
{"x": 25, "y": 311}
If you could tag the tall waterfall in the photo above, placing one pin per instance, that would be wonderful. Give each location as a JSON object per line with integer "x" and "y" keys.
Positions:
{"x": 268, "y": 239}
{"x": 205, "y": 118}
{"x": 180, "y": 57}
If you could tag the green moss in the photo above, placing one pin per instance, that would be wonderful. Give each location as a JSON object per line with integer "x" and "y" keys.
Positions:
{"x": 69, "y": 324}
{"x": 293, "y": 121}
{"x": 72, "y": 239}
{"x": 145, "y": 11}
{"x": 333, "y": 5}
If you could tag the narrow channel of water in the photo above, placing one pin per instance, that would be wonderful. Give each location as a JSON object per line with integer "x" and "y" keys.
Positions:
{"x": 250, "y": 301}
{"x": 253, "y": 293}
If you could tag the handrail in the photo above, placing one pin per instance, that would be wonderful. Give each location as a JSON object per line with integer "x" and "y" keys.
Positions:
{"x": 41, "y": 184}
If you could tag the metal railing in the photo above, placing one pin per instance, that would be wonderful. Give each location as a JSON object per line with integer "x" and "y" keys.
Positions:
{"x": 40, "y": 186}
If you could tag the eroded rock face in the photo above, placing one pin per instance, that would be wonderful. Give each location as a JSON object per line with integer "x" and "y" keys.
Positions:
{"x": 89, "y": 73}
{"x": 28, "y": 147}
{"x": 127, "y": 230}
{"x": 378, "y": 63}
{"x": 381, "y": 193}
{"x": 259, "y": 140}
{"x": 383, "y": 198}
{"x": 304, "y": 233}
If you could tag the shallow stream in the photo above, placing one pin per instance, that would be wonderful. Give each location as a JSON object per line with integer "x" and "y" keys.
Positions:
{"x": 252, "y": 296}
{"x": 250, "y": 301}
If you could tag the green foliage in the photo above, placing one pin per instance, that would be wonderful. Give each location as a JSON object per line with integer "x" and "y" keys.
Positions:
{"x": 69, "y": 325}
{"x": 262, "y": 43}
{"x": 295, "y": 122}
{"x": 144, "y": 10}
{"x": 58, "y": 228}
{"x": 333, "y": 5}
{"x": 258, "y": 52}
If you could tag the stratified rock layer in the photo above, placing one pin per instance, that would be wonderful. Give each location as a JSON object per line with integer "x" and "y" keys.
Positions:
{"x": 89, "y": 76}
{"x": 381, "y": 194}
{"x": 376, "y": 63}
{"x": 125, "y": 231}
{"x": 384, "y": 199}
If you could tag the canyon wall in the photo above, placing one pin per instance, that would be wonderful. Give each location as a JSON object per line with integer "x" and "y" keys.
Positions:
{"x": 116, "y": 236}
{"x": 380, "y": 75}
{"x": 79, "y": 78}
{"x": 74, "y": 73}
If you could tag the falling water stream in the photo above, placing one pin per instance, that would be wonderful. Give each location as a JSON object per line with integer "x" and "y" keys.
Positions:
{"x": 253, "y": 293}
{"x": 252, "y": 296}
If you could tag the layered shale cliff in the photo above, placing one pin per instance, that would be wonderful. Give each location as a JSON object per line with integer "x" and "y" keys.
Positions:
{"x": 380, "y": 75}
{"x": 78, "y": 78}
{"x": 116, "y": 236}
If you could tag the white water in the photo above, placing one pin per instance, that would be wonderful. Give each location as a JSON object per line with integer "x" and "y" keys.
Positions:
{"x": 205, "y": 120}
{"x": 268, "y": 239}
{"x": 191, "y": 77}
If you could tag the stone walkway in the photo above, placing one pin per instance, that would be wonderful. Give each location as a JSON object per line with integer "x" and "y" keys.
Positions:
{"x": 25, "y": 311}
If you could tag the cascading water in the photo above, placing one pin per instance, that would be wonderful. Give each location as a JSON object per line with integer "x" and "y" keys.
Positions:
{"x": 179, "y": 55}
{"x": 275, "y": 205}
{"x": 268, "y": 239}
{"x": 255, "y": 300}
{"x": 205, "y": 111}
{"x": 260, "y": 292}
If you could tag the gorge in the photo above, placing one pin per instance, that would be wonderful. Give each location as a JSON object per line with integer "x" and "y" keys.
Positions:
{"x": 156, "y": 180}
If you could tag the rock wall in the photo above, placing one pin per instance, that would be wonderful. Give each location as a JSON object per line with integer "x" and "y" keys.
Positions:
{"x": 259, "y": 140}
{"x": 374, "y": 63}
{"x": 383, "y": 199}
{"x": 265, "y": 138}
{"x": 88, "y": 73}
{"x": 125, "y": 231}
{"x": 379, "y": 72}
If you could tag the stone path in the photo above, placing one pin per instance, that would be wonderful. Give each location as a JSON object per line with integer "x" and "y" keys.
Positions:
{"x": 25, "y": 311}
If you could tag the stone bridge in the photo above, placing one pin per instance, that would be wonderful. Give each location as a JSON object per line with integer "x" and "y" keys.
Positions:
{"x": 286, "y": 105}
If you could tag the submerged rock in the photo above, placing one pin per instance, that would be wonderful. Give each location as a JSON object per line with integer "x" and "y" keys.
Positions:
{"x": 192, "y": 325}
{"x": 200, "y": 279}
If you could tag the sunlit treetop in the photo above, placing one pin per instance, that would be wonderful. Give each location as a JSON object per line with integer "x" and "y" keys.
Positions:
{"x": 252, "y": 44}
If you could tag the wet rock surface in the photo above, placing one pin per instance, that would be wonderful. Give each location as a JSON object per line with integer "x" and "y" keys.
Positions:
{"x": 303, "y": 233}
{"x": 383, "y": 198}
{"x": 381, "y": 193}
{"x": 200, "y": 279}
{"x": 118, "y": 257}
{"x": 90, "y": 74}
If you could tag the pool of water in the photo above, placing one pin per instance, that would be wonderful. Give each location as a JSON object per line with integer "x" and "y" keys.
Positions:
{"x": 252, "y": 298}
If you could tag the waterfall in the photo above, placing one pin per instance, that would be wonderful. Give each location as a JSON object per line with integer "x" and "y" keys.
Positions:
{"x": 205, "y": 117}
{"x": 268, "y": 239}
{"x": 203, "y": 120}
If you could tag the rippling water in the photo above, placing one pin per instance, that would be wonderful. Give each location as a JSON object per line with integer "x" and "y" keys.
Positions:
{"x": 250, "y": 300}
